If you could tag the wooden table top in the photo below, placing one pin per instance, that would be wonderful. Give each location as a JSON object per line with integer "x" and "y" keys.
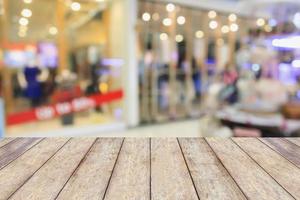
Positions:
{"x": 140, "y": 169}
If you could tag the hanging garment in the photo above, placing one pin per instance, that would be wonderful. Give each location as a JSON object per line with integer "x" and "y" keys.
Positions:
{"x": 33, "y": 90}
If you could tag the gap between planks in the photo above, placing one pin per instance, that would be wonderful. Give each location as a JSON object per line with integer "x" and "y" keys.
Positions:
{"x": 267, "y": 168}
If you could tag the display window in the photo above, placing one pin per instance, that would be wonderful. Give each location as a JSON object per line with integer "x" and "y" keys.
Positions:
{"x": 193, "y": 62}
{"x": 182, "y": 51}
{"x": 57, "y": 68}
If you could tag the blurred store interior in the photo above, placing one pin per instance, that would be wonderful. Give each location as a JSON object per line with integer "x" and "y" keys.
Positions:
{"x": 185, "y": 68}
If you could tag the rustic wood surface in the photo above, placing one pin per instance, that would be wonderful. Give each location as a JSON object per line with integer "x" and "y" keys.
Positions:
{"x": 294, "y": 140}
{"x": 142, "y": 169}
{"x": 289, "y": 150}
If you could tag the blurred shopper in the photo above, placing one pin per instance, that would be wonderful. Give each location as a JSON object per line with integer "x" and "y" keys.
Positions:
{"x": 229, "y": 75}
{"x": 67, "y": 90}
{"x": 196, "y": 79}
{"x": 229, "y": 93}
{"x": 49, "y": 85}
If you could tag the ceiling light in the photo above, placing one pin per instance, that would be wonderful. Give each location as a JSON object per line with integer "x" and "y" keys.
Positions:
{"x": 27, "y": 1}
{"x": 167, "y": 22}
{"x": 170, "y": 7}
{"x": 268, "y": 28}
{"x": 26, "y": 13}
{"x": 292, "y": 42}
{"x": 212, "y": 14}
{"x": 220, "y": 42}
{"x": 146, "y": 17}
{"x": 232, "y": 17}
{"x": 181, "y": 20}
{"x": 75, "y": 6}
{"x": 53, "y": 30}
{"x": 155, "y": 16}
{"x": 22, "y": 31}
{"x": 234, "y": 27}
{"x": 296, "y": 63}
{"x": 213, "y": 24}
{"x": 163, "y": 36}
{"x": 23, "y": 28}
{"x": 225, "y": 29}
{"x": 23, "y": 21}
{"x": 179, "y": 38}
{"x": 272, "y": 22}
{"x": 22, "y": 34}
{"x": 199, "y": 34}
{"x": 296, "y": 20}
{"x": 255, "y": 67}
{"x": 260, "y": 22}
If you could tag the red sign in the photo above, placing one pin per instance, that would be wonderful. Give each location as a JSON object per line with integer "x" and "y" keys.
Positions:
{"x": 59, "y": 109}
{"x": 17, "y": 46}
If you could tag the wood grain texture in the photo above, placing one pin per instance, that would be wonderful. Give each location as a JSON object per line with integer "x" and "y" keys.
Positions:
{"x": 283, "y": 171}
{"x": 49, "y": 180}
{"x": 251, "y": 178}
{"x": 294, "y": 140}
{"x": 142, "y": 169}
{"x": 91, "y": 179}
{"x": 16, "y": 173}
{"x": 211, "y": 179}
{"x": 14, "y": 149}
{"x": 131, "y": 176}
{"x": 287, "y": 149}
{"x": 5, "y": 141}
{"x": 170, "y": 178}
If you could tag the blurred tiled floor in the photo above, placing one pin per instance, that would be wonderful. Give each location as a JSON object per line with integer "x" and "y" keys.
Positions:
{"x": 188, "y": 128}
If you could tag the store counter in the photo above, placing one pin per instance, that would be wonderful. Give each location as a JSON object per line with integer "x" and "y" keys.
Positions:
{"x": 106, "y": 168}
{"x": 270, "y": 124}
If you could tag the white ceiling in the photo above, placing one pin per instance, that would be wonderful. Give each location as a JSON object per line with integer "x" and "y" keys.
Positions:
{"x": 44, "y": 11}
{"x": 44, "y": 16}
{"x": 255, "y": 8}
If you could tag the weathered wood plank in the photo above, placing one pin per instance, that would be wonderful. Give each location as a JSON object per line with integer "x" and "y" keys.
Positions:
{"x": 15, "y": 175}
{"x": 91, "y": 179}
{"x": 251, "y": 178}
{"x": 170, "y": 178}
{"x": 5, "y": 141}
{"x": 14, "y": 149}
{"x": 287, "y": 149}
{"x": 294, "y": 140}
{"x": 131, "y": 176}
{"x": 283, "y": 171}
{"x": 49, "y": 180}
{"x": 211, "y": 179}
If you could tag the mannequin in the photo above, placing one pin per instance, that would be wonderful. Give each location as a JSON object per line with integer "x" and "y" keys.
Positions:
{"x": 30, "y": 80}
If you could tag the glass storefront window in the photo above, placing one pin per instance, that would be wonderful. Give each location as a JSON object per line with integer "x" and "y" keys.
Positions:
{"x": 182, "y": 51}
{"x": 58, "y": 67}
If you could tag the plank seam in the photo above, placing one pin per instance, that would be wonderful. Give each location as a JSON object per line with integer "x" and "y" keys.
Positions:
{"x": 190, "y": 174}
{"x": 20, "y": 154}
{"x": 38, "y": 169}
{"x": 113, "y": 169}
{"x": 8, "y": 143}
{"x": 218, "y": 158}
{"x": 262, "y": 168}
{"x": 78, "y": 166}
{"x": 291, "y": 141}
{"x": 279, "y": 153}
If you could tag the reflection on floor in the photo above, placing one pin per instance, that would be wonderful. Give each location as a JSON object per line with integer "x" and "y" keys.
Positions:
{"x": 86, "y": 122}
{"x": 188, "y": 128}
